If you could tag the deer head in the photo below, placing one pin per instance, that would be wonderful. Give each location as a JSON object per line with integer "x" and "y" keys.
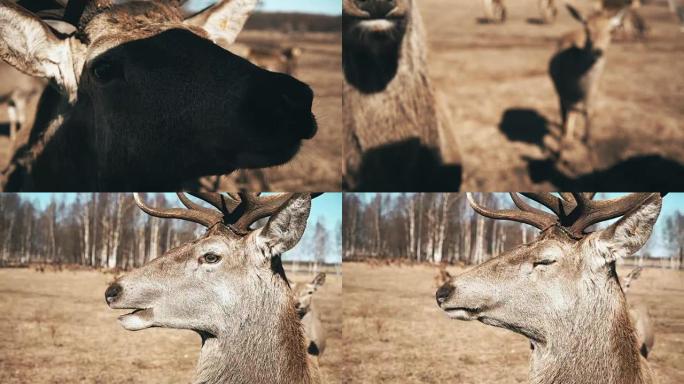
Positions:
{"x": 304, "y": 293}
{"x": 562, "y": 282}
{"x": 597, "y": 28}
{"x": 372, "y": 35}
{"x": 151, "y": 95}
{"x": 200, "y": 285}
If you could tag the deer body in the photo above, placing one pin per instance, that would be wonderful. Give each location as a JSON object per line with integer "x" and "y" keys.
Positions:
{"x": 229, "y": 286}
{"x": 391, "y": 114}
{"x": 576, "y": 69}
{"x": 307, "y": 311}
{"x": 561, "y": 291}
{"x": 126, "y": 113}
{"x": 284, "y": 60}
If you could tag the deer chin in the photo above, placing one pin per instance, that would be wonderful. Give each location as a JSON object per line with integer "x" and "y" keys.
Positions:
{"x": 137, "y": 320}
{"x": 463, "y": 313}
{"x": 377, "y": 25}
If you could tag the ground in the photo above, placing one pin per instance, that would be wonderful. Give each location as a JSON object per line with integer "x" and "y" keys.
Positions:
{"x": 395, "y": 333}
{"x": 494, "y": 78}
{"x": 56, "y": 328}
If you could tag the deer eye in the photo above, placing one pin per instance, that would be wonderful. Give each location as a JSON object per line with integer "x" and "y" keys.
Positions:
{"x": 106, "y": 71}
{"x": 543, "y": 262}
{"x": 210, "y": 258}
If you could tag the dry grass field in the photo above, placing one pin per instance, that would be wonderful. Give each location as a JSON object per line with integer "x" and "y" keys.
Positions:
{"x": 56, "y": 328}
{"x": 494, "y": 77}
{"x": 395, "y": 333}
{"x": 317, "y": 167}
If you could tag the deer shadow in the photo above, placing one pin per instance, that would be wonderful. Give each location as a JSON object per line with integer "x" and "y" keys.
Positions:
{"x": 640, "y": 173}
{"x": 408, "y": 166}
{"x": 535, "y": 21}
{"x": 525, "y": 125}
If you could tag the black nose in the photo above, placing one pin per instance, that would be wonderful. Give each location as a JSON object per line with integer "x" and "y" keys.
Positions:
{"x": 376, "y": 8}
{"x": 443, "y": 293}
{"x": 112, "y": 292}
{"x": 281, "y": 105}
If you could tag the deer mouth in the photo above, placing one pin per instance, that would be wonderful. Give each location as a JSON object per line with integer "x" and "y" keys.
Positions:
{"x": 139, "y": 318}
{"x": 463, "y": 313}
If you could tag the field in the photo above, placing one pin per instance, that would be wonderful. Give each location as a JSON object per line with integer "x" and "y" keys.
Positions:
{"x": 494, "y": 78}
{"x": 395, "y": 333}
{"x": 56, "y": 328}
{"x": 317, "y": 166}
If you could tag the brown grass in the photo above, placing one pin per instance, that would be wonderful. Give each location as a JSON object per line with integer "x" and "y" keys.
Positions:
{"x": 56, "y": 328}
{"x": 486, "y": 69}
{"x": 416, "y": 343}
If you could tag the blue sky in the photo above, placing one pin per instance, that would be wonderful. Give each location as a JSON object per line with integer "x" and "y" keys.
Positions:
{"x": 328, "y": 7}
{"x": 673, "y": 202}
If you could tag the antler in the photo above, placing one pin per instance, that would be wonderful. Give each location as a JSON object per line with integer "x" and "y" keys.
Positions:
{"x": 239, "y": 211}
{"x": 574, "y": 212}
{"x": 527, "y": 214}
{"x": 589, "y": 212}
{"x": 202, "y": 216}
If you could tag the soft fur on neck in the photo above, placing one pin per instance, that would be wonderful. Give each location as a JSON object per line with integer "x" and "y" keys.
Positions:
{"x": 597, "y": 346}
{"x": 262, "y": 343}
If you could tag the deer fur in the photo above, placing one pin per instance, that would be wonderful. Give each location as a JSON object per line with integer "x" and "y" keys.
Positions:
{"x": 563, "y": 294}
{"x": 391, "y": 112}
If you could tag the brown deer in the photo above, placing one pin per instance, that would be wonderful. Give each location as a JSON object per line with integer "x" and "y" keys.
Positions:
{"x": 16, "y": 91}
{"x": 442, "y": 276}
{"x": 308, "y": 313}
{"x": 495, "y": 10}
{"x": 143, "y": 99}
{"x": 640, "y": 316}
{"x": 284, "y": 60}
{"x": 561, "y": 291}
{"x": 577, "y": 66}
{"x": 229, "y": 286}
{"x": 391, "y": 113}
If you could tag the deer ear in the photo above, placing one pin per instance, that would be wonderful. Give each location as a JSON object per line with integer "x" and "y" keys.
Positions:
{"x": 29, "y": 45}
{"x": 285, "y": 228}
{"x": 319, "y": 280}
{"x": 626, "y": 236}
{"x": 576, "y": 13}
{"x": 224, "y": 20}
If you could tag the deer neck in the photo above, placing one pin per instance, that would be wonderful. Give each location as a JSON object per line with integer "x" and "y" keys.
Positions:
{"x": 597, "y": 345}
{"x": 263, "y": 343}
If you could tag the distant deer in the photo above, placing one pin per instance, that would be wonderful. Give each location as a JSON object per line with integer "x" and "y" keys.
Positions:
{"x": 495, "y": 10}
{"x": 548, "y": 10}
{"x": 391, "y": 112}
{"x": 284, "y": 60}
{"x": 577, "y": 67}
{"x": 640, "y": 316}
{"x": 442, "y": 276}
{"x": 229, "y": 286}
{"x": 143, "y": 99}
{"x": 16, "y": 90}
{"x": 561, "y": 291}
{"x": 308, "y": 313}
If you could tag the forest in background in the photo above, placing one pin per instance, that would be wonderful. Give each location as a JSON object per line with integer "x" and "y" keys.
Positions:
{"x": 443, "y": 228}
{"x": 108, "y": 230}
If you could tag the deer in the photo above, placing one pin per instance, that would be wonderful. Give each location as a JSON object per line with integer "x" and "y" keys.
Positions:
{"x": 16, "y": 91}
{"x": 495, "y": 10}
{"x": 284, "y": 60}
{"x": 229, "y": 286}
{"x": 391, "y": 112}
{"x": 561, "y": 291}
{"x": 442, "y": 276}
{"x": 309, "y": 315}
{"x": 141, "y": 98}
{"x": 577, "y": 66}
{"x": 640, "y": 316}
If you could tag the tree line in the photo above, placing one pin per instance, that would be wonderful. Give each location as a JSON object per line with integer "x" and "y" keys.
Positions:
{"x": 101, "y": 230}
{"x": 443, "y": 228}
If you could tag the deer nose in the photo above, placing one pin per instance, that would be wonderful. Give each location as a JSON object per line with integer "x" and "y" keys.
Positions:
{"x": 443, "y": 293}
{"x": 294, "y": 109}
{"x": 112, "y": 293}
{"x": 376, "y": 8}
